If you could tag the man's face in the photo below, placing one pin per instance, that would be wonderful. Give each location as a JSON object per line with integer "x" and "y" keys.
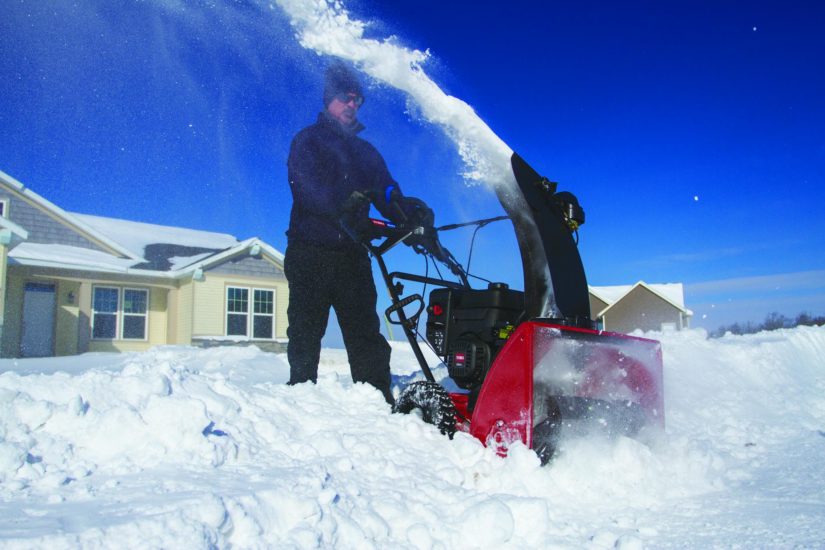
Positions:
{"x": 344, "y": 108}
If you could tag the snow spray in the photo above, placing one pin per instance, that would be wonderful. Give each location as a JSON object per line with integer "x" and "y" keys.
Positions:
{"x": 326, "y": 28}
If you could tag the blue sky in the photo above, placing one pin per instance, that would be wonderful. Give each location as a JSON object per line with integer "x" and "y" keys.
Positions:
{"x": 692, "y": 132}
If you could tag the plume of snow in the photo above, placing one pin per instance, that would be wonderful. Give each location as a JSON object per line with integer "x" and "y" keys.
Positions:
{"x": 327, "y": 28}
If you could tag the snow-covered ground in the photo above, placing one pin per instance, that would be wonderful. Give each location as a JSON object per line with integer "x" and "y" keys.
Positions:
{"x": 186, "y": 448}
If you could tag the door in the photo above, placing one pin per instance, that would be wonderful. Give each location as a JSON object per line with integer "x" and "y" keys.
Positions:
{"x": 39, "y": 303}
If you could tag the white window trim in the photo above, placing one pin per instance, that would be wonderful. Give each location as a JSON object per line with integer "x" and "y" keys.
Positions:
{"x": 250, "y": 311}
{"x": 5, "y": 206}
{"x": 119, "y": 315}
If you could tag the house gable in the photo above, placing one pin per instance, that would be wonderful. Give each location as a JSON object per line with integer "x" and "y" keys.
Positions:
{"x": 625, "y": 308}
{"x": 641, "y": 309}
{"x": 249, "y": 266}
{"x": 43, "y": 228}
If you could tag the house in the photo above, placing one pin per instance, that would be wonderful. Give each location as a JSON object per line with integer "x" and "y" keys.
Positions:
{"x": 72, "y": 283}
{"x": 641, "y": 306}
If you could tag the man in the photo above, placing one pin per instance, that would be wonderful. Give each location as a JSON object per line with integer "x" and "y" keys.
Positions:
{"x": 324, "y": 266}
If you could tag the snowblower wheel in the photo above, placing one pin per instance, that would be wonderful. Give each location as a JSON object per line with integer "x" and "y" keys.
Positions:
{"x": 434, "y": 403}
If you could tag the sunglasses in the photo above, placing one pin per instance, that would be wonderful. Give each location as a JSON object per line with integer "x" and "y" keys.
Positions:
{"x": 346, "y": 98}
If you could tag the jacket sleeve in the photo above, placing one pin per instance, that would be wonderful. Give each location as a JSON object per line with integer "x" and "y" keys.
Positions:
{"x": 386, "y": 190}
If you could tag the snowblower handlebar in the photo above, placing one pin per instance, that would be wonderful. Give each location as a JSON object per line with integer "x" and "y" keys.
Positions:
{"x": 413, "y": 225}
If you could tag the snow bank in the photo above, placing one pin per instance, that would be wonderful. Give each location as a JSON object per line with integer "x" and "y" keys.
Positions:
{"x": 180, "y": 447}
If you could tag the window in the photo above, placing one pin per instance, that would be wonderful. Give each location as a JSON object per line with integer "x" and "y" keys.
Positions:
{"x": 264, "y": 310}
{"x": 241, "y": 321}
{"x": 104, "y": 315}
{"x": 119, "y": 313}
{"x": 3, "y": 207}
{"x": 237, "y": 311}
{"x": 134, "y": 314}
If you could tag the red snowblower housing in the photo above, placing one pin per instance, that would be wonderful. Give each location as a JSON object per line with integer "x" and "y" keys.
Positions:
{"x": 531, "y": 364}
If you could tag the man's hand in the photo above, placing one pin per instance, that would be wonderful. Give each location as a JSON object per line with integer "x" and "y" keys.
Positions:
{"x": 415, "y": 212}
{"x": 353, "y": 217}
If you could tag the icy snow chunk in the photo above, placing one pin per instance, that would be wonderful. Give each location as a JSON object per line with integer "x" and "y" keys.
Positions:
{"x": 487, "y": 524}
{"x": 12, "y": 458}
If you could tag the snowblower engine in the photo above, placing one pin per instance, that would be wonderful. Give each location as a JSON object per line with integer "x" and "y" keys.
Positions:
{"x": 467, "y": 328}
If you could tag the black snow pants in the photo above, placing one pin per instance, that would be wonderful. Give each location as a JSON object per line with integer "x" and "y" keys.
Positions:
{"x": 318, "y": 279}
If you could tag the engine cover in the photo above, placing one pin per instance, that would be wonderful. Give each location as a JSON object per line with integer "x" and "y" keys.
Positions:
{"x": 468, "y": 327}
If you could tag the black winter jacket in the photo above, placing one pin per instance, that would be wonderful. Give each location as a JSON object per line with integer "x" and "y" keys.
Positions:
{"x": 327, "y": 162}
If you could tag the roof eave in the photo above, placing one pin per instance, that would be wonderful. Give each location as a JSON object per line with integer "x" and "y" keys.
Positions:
{"x": 29, "y": 262}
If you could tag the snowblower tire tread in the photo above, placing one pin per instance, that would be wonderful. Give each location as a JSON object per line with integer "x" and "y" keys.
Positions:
{"x": 434, "y": 403}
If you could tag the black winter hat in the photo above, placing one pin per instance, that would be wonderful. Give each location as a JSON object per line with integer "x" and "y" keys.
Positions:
{"x": 340, "y": 79}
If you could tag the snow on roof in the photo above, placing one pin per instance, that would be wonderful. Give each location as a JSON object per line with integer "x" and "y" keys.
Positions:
{"x": 136, "y": 236}
{"x": 180, "y": 262}
{"x": 154, "y": 248}
{"x": 672, "y": 291}
{"x": 60, "y": 255}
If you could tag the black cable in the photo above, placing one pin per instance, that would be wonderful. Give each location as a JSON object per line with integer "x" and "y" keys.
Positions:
{"x": 479, "y": 278}
{"x": 472, "y": 244}
{"x": 423, "y": 290}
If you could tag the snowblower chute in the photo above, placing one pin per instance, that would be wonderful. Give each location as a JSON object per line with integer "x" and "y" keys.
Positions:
{"x": 531, "y": 364}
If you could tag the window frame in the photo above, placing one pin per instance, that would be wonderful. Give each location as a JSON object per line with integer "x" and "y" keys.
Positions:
{"x": 250, "y": 313}
{"x": 120, "y": 315}
{"x": 270, "y": 314}
{"x": 228, "y": 312}
{"x": 144, "y": 315}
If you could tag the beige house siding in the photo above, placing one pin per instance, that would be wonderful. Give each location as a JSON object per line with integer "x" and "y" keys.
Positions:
{"x": 185, "y": 312}
{"x": 158, "y": 316}
{"x": 172, "y": 316}
{"x": 641, "y": 309}
{"x": 209, "y": 297}
{"x": 596, "y": 306}
{"x": 84, "y": 322}
{"x": 68, "y": 315}
{"x": 208, "y": 306}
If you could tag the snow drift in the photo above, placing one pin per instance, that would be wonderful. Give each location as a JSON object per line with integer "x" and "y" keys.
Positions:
{"x": 181, "y": 447}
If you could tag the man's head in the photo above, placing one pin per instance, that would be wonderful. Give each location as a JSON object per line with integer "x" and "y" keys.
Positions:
{"x": 342, "y": 93}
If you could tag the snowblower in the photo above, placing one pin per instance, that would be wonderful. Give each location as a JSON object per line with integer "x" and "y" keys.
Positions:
{"x": 530, "y": 364}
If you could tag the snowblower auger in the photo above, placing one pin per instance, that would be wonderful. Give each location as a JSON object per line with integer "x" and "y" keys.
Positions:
{"x": 531, "y": 363}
